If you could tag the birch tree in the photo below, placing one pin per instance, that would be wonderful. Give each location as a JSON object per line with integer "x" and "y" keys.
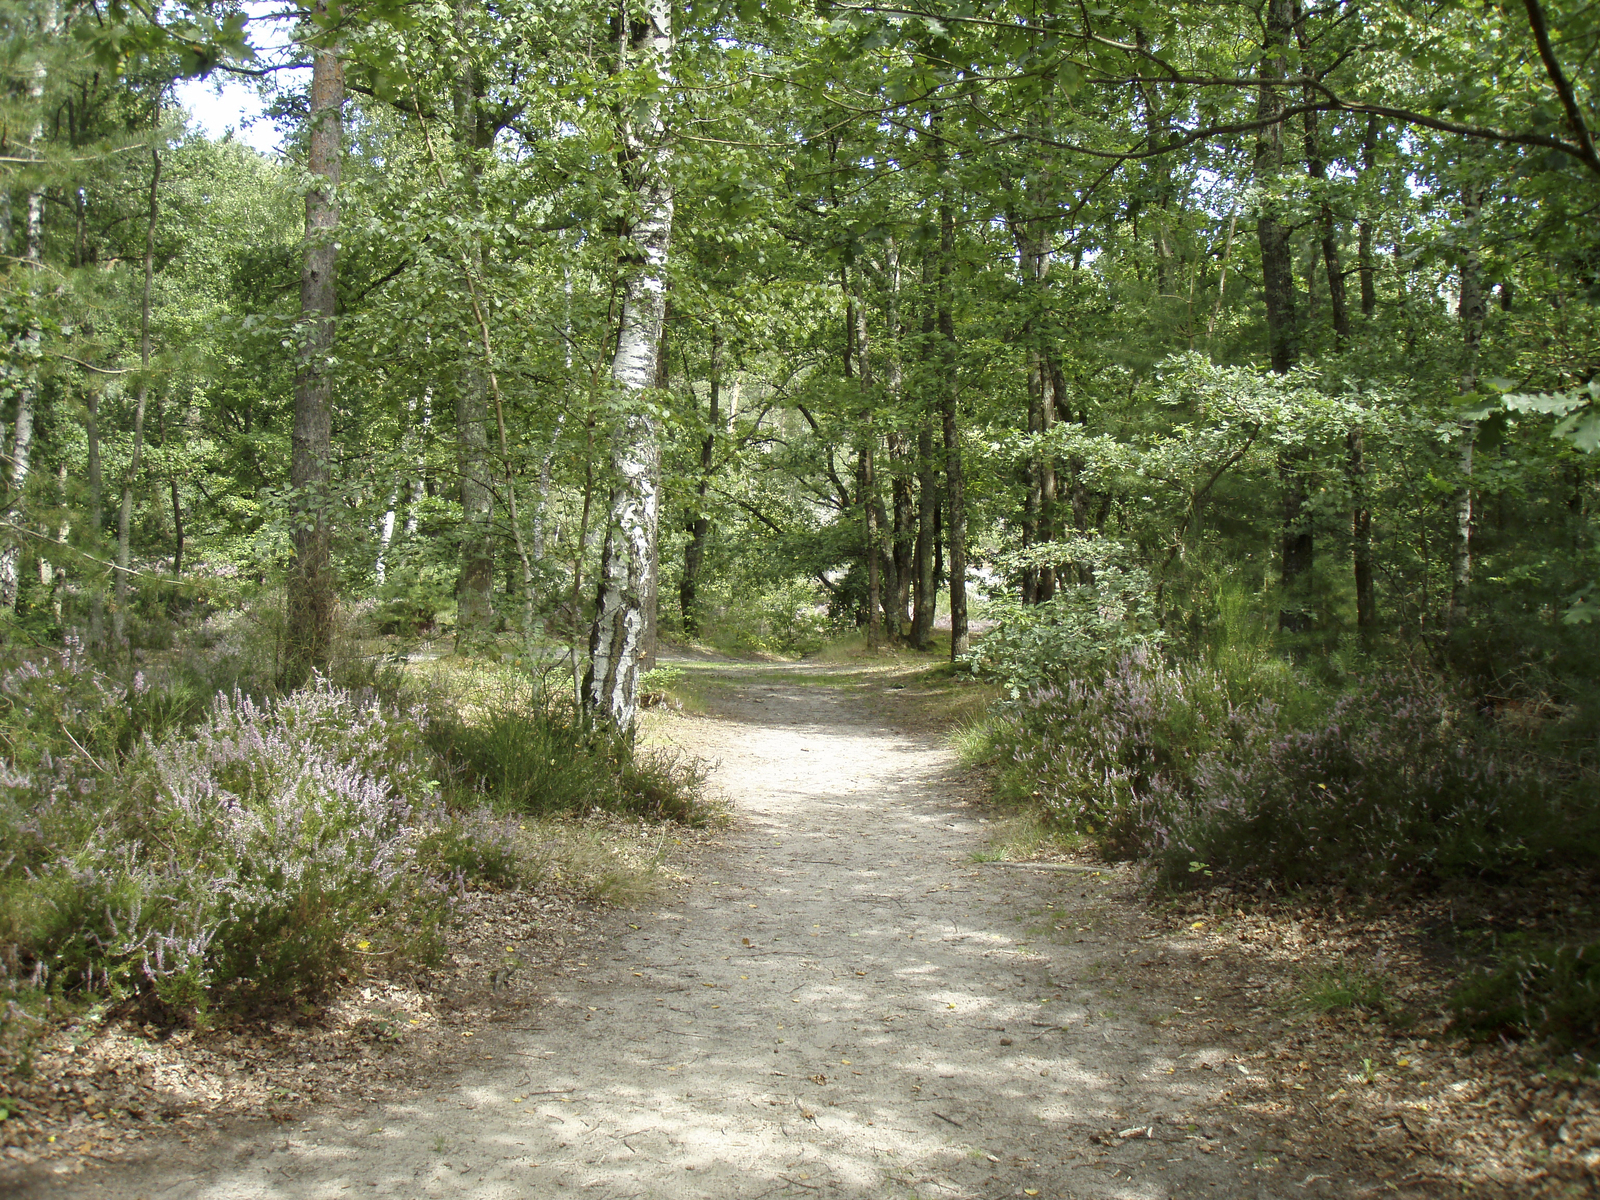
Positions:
{"x": 33, "y": 260}
{"x": 617, "y": 639}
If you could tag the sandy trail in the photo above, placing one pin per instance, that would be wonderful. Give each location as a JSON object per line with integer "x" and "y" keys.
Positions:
{"x": 853, "y": 1008}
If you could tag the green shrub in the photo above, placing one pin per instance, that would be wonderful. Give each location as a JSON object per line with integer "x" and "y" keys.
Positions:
{"x": 1550, "y": 992}
{"x": 1101, "y": 612}
{"x": 541, "y": 760}
{"x": 474, "y": 848}
{"x": 1261, "y": 776}
{"x": 241, "y": 863}
{"x": 1344, "y": 987}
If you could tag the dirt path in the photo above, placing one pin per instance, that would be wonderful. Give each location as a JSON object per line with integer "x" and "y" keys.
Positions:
{"x": 848, "y": 1006}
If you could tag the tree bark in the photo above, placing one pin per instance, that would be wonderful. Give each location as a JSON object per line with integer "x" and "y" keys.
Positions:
{"x": 867, "y": 467}
{"x": 1361, "y": 535}
{"x": 311, "y": 584}
{"x": 1283, "y": 335}
{"x": 119, "y": 616}
{"x": 955, "y": 481}
{"x": 22, "y": 430}
{"x": 616, "y": 640}
{"x": 1277, "y": 259}
{"x": 408, "y": 450}
{"x": 1472, "y": 310}
{"x": 471, "y": 134}
{"x": 91, "y": 436}
{"x": 898, "y": 567}
{"x": 697, "y": 524}
{"x": 925, "y": 594}
{"x": 1327, "y": 234}
{"x": 1368, "y": 272}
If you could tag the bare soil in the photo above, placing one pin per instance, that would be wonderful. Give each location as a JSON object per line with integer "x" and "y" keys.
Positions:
{"x": 845, "y": 1003}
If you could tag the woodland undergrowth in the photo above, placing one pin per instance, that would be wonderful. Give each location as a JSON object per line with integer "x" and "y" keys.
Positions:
{"x": 176, "y": 849}
{"x": 1247, "y": 772}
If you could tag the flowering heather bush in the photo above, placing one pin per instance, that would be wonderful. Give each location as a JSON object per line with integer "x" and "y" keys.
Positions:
{"x": 242, "y": 861}
{"x": 1394, "y": 783}
{"x": 161, "y": 841}
{"x": 1096, "y": 756}
{"x": 1244, "y": 778}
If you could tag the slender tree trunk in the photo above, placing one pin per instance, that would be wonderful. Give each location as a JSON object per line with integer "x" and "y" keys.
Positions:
{"x": 955, "y": 480}
{"x": 1277, "y": 257}
{"x": 119, "y": 616}
{"x": 1369, "y": 283}
{"x": 1033, "y": 253}
{"x": 472, "y": 133}
{"x": 1361, "y": 535}
{"x": 697, "y": 523}
{"x": 1472, "y": 310}
{"x": 177, "y": 530}
{"x": 54, "y": 575}
{"x": 311, "y": 584}
{"x": 96, "y": 522}
{"x": 1327, "y": 234}
{"x": 1355, "y": 440}
{"x": 475, "y": 580}
{"x": 1277, "y": 271}
{"x": 616, "y": 641}
{"x": 925, "y": 594}
{"x": 897, "y": 595}
{"x": 867, "y": 470}
{"x": 408, "y": 450}
{"x": 1028, "y": 256}
{"x": 652, "y": 591}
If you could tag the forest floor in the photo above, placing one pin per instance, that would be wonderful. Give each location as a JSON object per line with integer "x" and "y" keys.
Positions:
{"x": 842, "y": 998}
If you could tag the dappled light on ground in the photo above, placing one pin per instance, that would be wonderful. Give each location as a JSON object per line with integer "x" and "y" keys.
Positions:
{"x": 848, "y": 1005}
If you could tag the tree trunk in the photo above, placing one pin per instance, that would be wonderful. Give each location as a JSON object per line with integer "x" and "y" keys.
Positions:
{"x": 408, "y": 450}
{"x": 91, "y": 437}
{"x": 1369, "y": 283}
{"x": 311, "y": 585}
{"x": 1471, "y": 311}
{"x": 119, "y": 616}
{"x": 652, "y": 589}
{"x": 1327, "y": 234}
{"x": 1283, "y": 335}
{"x": 898, "y": 596}
{"x": 470, "y": 133}
{"x": 867, "y": 470}
{"x": 1361, "y": 536}
{"x": 475, "y": 579}
{"x": 419, "y": 485}
{"x": 616, "y": 641}
{"x": 22, "y": 430}
{"x": 696, "y": 522}
{"x": 955, "y": 482}
{"x": 177, "y": 530}
{"x": 1277, "y": 258}
{"x": 925, "y": 596}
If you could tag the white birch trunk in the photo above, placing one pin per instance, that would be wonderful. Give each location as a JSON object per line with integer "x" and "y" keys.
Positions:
{"x": 1472, "y": 315}
{"x": 380, "y": 567}
{"x": 419, "y": 485}
{"x": 618, "y": 638}
{"x": 22, "y": 433}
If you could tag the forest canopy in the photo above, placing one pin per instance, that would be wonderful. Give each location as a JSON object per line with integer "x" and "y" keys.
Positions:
{"x": 1111, "y": 331}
